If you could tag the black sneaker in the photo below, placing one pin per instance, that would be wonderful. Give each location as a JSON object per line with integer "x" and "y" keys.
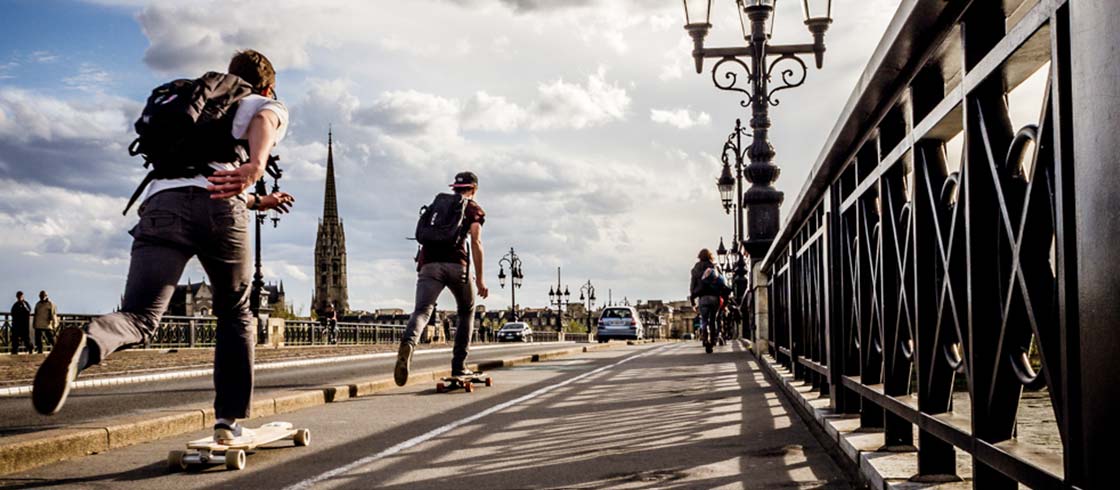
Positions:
{"x": 52, "y": 381}
{"x": 404, "y": 362}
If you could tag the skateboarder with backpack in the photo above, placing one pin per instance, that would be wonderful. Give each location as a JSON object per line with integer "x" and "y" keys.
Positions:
{"x": 206, "y": 142}
{"x": 450, "y": 236}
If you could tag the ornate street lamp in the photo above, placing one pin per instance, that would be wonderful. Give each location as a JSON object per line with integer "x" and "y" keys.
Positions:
{"x": 587, "y": 295}
{"x": 726, "y": 186}
{"x": 721, "y": 252}
{"x": 273, "y": 170}
{"x": 514, "y": 263}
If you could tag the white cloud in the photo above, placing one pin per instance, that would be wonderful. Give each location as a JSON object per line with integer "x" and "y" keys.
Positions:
{"x": 492, "y": 113}
{"x": 680, "y": 118}
{"x": 563, "y": 104}
{"x": 90, "y": 78}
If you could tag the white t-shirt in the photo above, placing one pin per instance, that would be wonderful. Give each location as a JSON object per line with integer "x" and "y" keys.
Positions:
{"x": 246, "y": 110}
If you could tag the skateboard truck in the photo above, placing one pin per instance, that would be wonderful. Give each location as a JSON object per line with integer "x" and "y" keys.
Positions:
{"x": 467, "y": 382}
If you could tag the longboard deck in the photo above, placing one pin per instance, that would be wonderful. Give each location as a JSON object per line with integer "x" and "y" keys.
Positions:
{"x": 448, "y": 383}
{"x": 264, "y": 434}
{"x": 208, "y": 452}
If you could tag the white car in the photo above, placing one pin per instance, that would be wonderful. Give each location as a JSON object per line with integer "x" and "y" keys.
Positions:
{"x": 515, "y": 332}
{"x": 620, "y": 322}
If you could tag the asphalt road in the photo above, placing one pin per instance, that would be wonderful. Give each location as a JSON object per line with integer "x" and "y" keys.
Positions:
{"x": 660, "y": 416}
{"x": 88, "y": 404}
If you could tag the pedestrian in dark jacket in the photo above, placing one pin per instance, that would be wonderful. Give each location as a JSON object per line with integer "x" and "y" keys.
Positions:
{"x": 21, "y": 323}
{"x": 704, "y": 295}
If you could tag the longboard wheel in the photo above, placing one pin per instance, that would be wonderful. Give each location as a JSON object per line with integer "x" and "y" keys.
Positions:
{"x": 235, "y": 459}
{"x": 303, "y": 437}
{"x": 176, "y": 461}
{"x": 468, "y": 386}
{"x": 440, "y": 387}
{"x": 489, "y": 381}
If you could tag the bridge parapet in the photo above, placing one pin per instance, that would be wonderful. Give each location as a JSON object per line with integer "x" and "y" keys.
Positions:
{"x": 943, "y": 259}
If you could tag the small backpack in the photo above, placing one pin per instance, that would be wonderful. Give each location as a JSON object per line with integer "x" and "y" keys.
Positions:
{"x": 714, "y": 283}
{"x": 187, "y": 124}
{"x": 441, "y": 222}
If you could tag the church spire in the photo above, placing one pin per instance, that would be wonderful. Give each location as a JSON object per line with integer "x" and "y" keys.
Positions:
{"x": 330, "y": 200}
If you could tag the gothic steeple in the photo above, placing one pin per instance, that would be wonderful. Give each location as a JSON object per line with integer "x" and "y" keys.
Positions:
{"x": 330, "y": 199}
{"x": 330, "y": 248}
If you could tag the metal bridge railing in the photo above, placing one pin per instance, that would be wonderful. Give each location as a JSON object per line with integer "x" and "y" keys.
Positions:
{"x": 915, "y": 286}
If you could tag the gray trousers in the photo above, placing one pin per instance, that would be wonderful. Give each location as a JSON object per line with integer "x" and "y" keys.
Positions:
{"x": 429, "y": 284}
{"x": 176, "y": 225}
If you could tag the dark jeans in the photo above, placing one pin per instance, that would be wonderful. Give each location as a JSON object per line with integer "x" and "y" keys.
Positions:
{"x": 429, "y": 284}
{"x": 709, "y": 308}
{"x": 176, "y": 225}
{"x": 21, "y": 335}
{"x": 39, "y": 334}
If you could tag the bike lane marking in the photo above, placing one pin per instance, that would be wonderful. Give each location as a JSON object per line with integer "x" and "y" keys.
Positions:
{"x": 415, "y": 441}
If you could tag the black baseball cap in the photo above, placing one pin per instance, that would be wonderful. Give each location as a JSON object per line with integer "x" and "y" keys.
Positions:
{"x": 465, "y": 179}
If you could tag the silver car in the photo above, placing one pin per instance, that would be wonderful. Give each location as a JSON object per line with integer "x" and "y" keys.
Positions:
{"x": 515, "y": 332}
{"x": 620, "y": 322}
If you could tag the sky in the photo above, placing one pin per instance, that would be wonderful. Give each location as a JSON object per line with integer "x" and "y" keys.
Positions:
{"x": 596, "y": 144}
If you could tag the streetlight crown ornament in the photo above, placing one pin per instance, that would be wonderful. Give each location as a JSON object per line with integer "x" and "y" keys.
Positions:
{"x": 721, "y": 252}
{"x": 726, "y": 186}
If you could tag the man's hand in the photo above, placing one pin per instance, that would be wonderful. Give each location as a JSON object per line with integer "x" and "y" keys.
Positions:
{"x": 281, "y": 201}
{"x": 225, "y": 184}
{"x": 483, "y": 291}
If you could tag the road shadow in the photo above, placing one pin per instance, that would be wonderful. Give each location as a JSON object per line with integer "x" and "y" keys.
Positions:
{"x": 675, "y": 419}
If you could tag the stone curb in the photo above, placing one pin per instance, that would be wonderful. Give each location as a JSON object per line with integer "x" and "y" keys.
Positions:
{"x": 125, "y": 378}
{"x": 840, "y": 434}
{"x": 26, "y": 451}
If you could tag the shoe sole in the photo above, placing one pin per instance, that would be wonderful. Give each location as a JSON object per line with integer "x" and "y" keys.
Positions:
{"x": 400, "y": 372}
{"x": 52, "y": 380}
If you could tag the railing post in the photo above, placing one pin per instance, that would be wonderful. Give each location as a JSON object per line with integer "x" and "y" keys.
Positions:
{"x": 936, "y": 458}
{"x": 1088, "y": 70}
{"x": 988, "y": 134}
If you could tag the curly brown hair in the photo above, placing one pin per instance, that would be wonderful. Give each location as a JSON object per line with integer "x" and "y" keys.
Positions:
{"x": 705, "y": 255}
{"x": 254, "y": 68}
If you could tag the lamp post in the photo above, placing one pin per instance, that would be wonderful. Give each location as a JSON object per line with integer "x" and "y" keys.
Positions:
{"x": 561, "y": 299}
{"x": 587, "y": 295}
{"x": 762, "y": 200}
{"x": 514, "y": 263}
{"x": 274, "y": 171}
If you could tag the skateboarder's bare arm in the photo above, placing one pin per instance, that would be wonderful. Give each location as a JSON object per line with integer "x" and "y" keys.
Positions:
{"x": 476, "y": 251}
{"x": 262, "y": 137}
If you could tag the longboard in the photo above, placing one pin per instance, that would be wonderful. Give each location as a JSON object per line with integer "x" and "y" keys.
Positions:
{"x": 208, "y": 452}
{"x": 467, "y": 382}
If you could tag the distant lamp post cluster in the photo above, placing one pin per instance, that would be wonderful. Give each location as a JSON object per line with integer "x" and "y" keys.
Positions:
{"x": 512, "y": 261}
{"x": 765, "y": 63}
{"x": 561, "y": 299}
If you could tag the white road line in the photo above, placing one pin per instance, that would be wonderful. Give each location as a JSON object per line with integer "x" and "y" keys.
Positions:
{"x": 415, "y": 441}
{"x": 194, "y": 373}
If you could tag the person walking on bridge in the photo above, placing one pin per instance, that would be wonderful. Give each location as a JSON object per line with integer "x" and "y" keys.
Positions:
{"x": 196, "y": 206}
{"x": 706, "y": 290}
{"x": 443, "y": 231}
{"x": 46, "y": 320}
{"x": 21, "y": 324}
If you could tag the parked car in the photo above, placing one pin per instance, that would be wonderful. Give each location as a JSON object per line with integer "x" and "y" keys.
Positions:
{"x": 515, "y": 332}
{"x": 620, "y": 322}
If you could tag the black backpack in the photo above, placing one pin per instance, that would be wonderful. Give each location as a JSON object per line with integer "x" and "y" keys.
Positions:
{"x": 441, "y": 222}
{"x": 186, "y": 125}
